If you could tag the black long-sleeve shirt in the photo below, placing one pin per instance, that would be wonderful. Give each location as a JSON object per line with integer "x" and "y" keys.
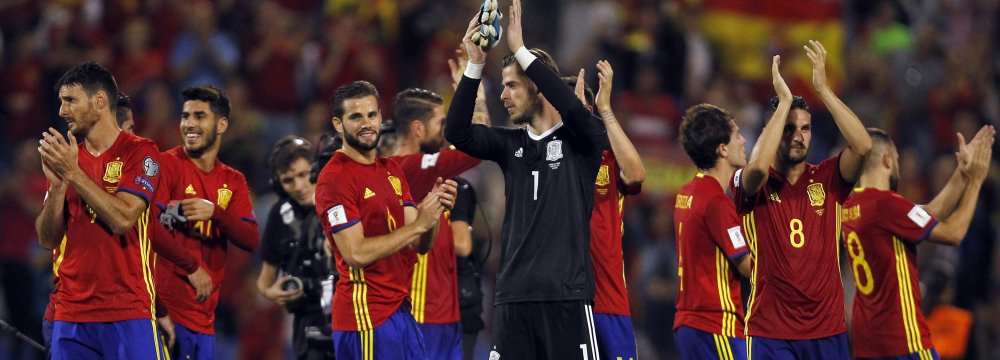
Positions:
{"x": 549, "y": 180}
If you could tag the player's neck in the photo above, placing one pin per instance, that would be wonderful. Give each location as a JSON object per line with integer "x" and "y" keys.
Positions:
{"x": 364, "y": 157}
{"x": 407, "y": 147}
{"x": 722, "y": 172}
{"x": 790, "y": 172}
{"x": 205, "y": 160}
{"x": 873, "y": 180}
{"x": 545, "y": 121}
{"x": 102, "y": 136}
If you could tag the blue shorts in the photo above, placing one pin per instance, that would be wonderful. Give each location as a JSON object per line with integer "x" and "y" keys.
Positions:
{"x": 127, "y": 339}
{"x": 398, "y": 338}
{"x": 615, "y": 337}
{"x": 193, "y": 345}
{"x": 47, "y": 335}
{"x": 931, "y": 354}
{"x": 832, "y": 347}
{"x": 697, "y": 344}
{"x": 442, "y": 341}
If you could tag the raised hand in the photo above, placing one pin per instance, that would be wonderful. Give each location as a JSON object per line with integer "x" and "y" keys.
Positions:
{"x": 580, "y": 89}
{"x": 780, "y": 87}
{"x": 475, "y": 54}
{"x": 605, "y": 75}
{"x": 59, "y": 156}
{"x": 964, "y": 155}
{"x": 982, "y": 154}
{"x": 817, "y": 55}
{"x": 457, "y": 65}
{"x": 515, "y": 39}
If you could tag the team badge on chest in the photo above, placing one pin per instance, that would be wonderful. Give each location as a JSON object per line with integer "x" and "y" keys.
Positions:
{"x": 224, "y": 196}
{"x": 817, "y": 197}
{"x": 397, "y": 186}
{"x": 553, "y": 151}
{"x": 113, "y": 172}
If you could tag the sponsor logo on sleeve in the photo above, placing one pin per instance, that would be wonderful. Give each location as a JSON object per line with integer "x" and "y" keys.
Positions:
{"x": 336, "y": 215}
{"x": 144, "y": 182}
{"x": 919, "y": 216}
{"x": 736, "y": 237}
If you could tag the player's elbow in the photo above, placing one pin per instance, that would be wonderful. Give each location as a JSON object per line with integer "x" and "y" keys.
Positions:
{"x": 634, "y": 178}
{"x": 356, "y": 260}
{"x": 863, "y": 148}
{"x": 121, "y": 227}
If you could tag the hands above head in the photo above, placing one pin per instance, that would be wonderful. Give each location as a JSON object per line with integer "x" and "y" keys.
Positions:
{"x": 605, "y": 74}
{"x": 982, "y": 153}
{"x": 817, "y": 55}
{"x": 59, "y": 156}
{"x": 515, "y": 38}
{"x": 458, "y": 65}
{"x": 780, "y": 87}
{"x": 473, "y": 51}
{"x": 965, "y": 153}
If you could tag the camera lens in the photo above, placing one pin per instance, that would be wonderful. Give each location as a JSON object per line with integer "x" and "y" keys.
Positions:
{"x": 292, "y": 284}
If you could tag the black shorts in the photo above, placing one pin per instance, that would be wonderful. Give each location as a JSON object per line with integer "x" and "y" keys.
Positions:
{"x": 544, "y": 330}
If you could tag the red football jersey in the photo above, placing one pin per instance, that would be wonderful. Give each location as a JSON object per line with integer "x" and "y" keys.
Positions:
{"x": 104, "y": 277}
{"x": 881, "y": 232}
{"x": 348, "y": 192}
{"x": 233, "y": 221}
{"x": 793, "y": 232}
{"x": 709, "y": 241}
{"x": 606, "y": 229}
{"x": 435, "y": 272}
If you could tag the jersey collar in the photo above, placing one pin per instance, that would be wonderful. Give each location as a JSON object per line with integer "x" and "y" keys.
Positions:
{"x": 544, "y": 134}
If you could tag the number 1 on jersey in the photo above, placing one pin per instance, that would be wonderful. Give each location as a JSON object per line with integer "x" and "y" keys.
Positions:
{"x": 534, "y": 174}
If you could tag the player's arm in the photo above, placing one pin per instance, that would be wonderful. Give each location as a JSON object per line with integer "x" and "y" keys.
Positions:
{"x": 743, "y": 265}
{"x": 945, "y": 202}
{"x": 633, "y": 173}
{"x": 51, "y": 222}
{"x": 480, "y": 114}
{"x": 952, "y": 229}
{"x": 236, "y": 222}
{"x": 859, "y": 143}
{"x": 726, "y": 233}
{"x": 765, "y": 151}
{"x": 120, "y": 211}
{"x": 473, "y": 139}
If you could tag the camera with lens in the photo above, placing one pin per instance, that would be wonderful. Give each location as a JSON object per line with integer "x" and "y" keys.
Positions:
{"x": 307, "y": 269}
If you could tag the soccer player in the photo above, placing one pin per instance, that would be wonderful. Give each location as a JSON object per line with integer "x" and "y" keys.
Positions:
{"x": 96, "y": 212}
{"x": 621, "y": 173}
{"x": 123, "y": 114}
{"x": 881, "y": 233}
{"x": 710, "y": 244}
{"x": 419, "y": 118}
{"x": 545, "y": 282}
{"x": 790, "y": 210}
{"x": 365, "y": 206}
{"x": 214, "y": 202}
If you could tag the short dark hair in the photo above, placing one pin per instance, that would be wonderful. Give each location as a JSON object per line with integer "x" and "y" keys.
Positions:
{"x": 122, "y": 107}
{"x": 542, "y": 56}
{"x": 588, "y": 92}
{"x": 880, "y": 140}
{"x": 413, "y": 104}
{"x": 93, "y": 77}
{"x": 354, "y": 90}
{"x": 703, "y": 129}
{"x": 215, "y": 97}
{"x": 286, "y": 151}
{"x": 798, "y": 102}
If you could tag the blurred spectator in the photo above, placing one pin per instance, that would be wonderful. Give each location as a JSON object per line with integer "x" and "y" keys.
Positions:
{"x": 203, "y": 53}
{"x": 242, "y": 148}
{"x": 657, "y": 283}
{"x": 23, "y": 88}
{"x": 653, "y": 115}
{"x": 157, "y": 116}
{"x": 138, "y": 63}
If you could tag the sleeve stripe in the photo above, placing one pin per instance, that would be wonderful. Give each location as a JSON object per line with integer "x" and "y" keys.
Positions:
{"x": 248, "y": 219}
{"x": 928, "y": 231}
{"x": 337, "y": 229}
{"x": 410, "y": 204}
{"x": 141, "y": 195}
{"x": 738, "y": 255}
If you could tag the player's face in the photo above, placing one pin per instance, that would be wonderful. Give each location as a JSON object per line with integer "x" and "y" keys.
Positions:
{"x": 433, "y": 132}
{"x": 795, "y": 140}
{"x": 77, "y": 109}
{"x": 361, "y": 126}
{"x": 519, "y": 96}
{"x": 129, "y": 124}
{"x": 736, "y": 149}
{"x": 295, "y": 182}
{"x": 199, "y": 127}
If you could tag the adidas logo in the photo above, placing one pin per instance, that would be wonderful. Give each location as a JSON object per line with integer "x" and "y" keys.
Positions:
{"x": 519, "y": 152}
{"x": 190, "y": 190}
{"x": 369, "y": 193}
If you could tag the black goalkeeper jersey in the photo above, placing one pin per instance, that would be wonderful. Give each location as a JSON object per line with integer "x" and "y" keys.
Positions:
{"x": 549, "y": 179}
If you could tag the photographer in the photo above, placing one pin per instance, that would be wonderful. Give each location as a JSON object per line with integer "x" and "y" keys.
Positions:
{"x": 293, "y": 247}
